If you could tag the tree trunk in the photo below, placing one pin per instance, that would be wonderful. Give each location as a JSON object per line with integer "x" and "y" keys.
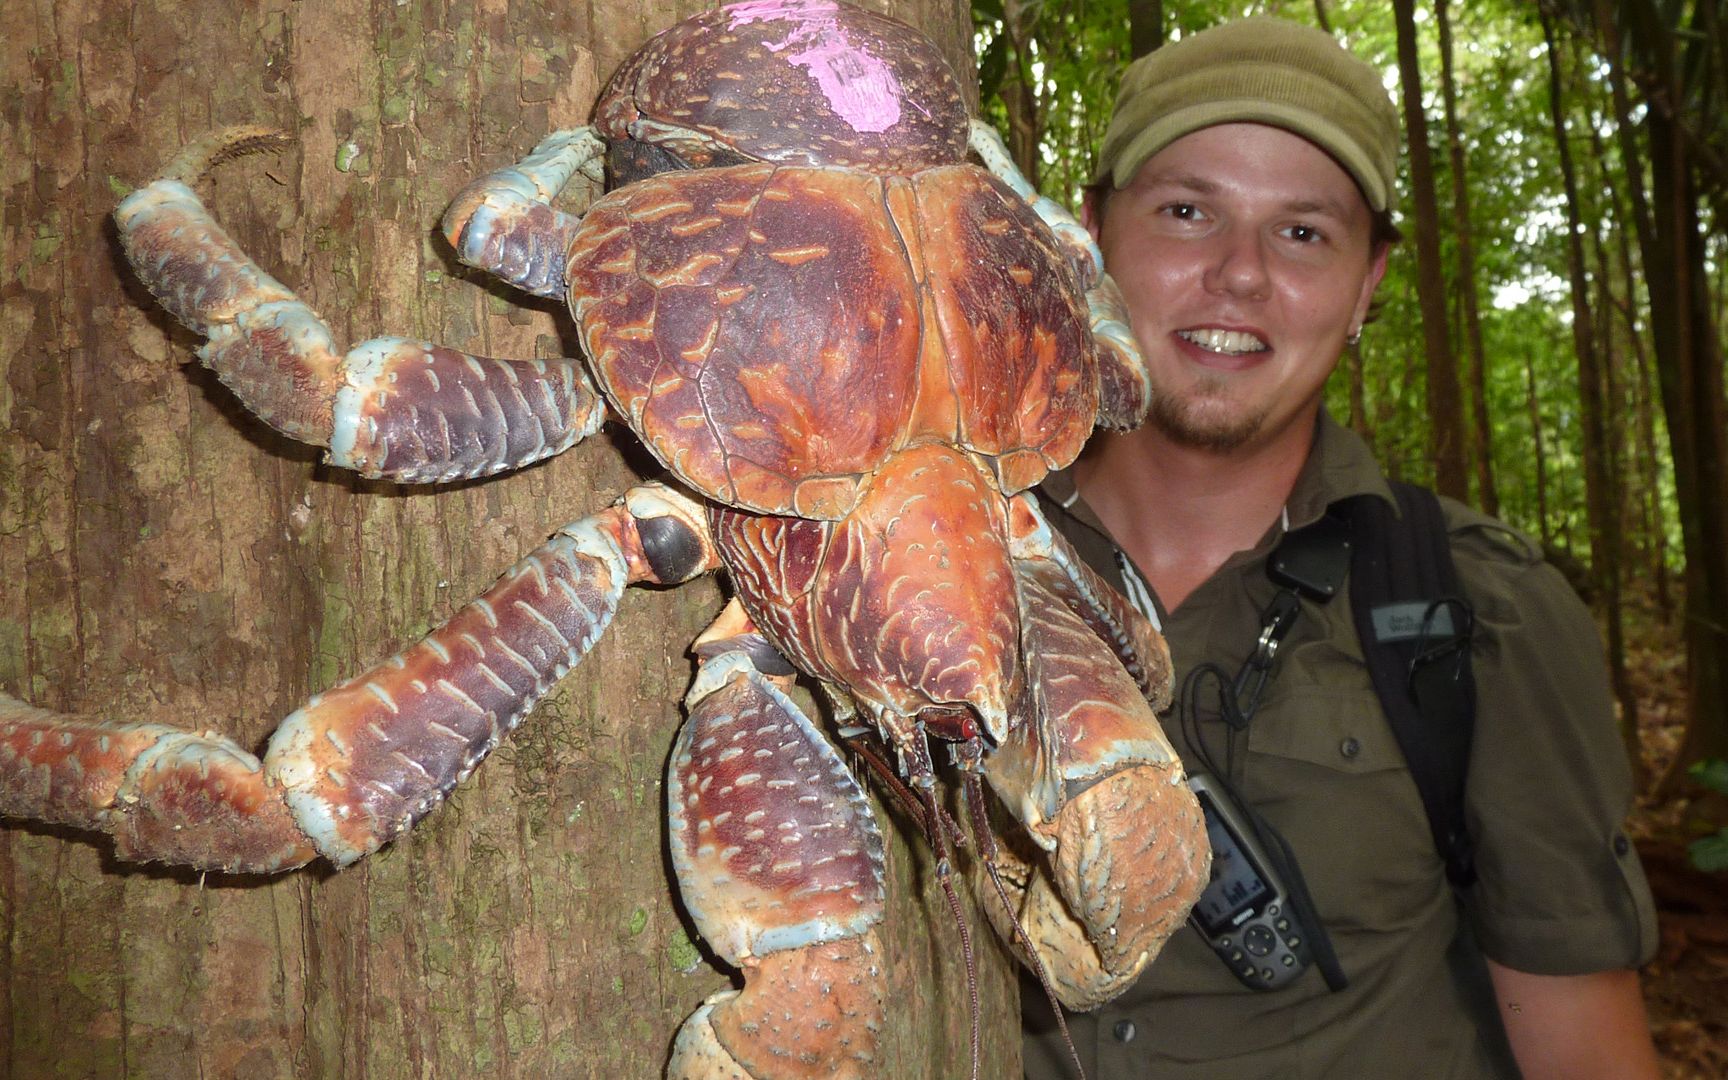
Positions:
{"x": 1359, "y": 422}
{"x": 1145, "y": 26}
{"x": 1687, "y": 349}
{"x": 1633, "y": 164}
{"x": 1481, "y": 430}
{"x": 1538, "y": 456}
{"x": 165, "y": 557}
{"x": 1321, "y": 17}
{"x": 1601, "y": 503}
{"x": 1689, "y": 365}
{"x": 1020, "y": 91}
{"x": 1445, "y": 400}
{"x": 1615, "y": 465}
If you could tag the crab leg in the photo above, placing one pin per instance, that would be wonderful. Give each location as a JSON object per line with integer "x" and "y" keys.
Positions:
{"x": 1089, "y": 772}
{"x": 504, "y": 222}
{"x": 780, "y": 863}
{"x": 1125, "y": 389}
{"x": 365, "y": 760}
{"x": 411, "y": 411}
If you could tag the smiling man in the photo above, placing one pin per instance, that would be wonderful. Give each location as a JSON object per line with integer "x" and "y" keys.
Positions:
{"x": 1243, "y": 205}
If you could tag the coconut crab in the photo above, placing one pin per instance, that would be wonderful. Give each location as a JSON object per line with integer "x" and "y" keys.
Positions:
{"x": 147, "y": 826}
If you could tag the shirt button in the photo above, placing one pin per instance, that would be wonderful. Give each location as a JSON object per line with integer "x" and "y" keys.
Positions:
{"x": 1621, "y": 844}
{"x": 1124, "y": 1031}
{"x": 1350, "y": 747}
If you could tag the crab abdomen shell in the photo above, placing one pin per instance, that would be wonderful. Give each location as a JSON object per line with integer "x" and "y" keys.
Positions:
{"x": 775, "y": 333}
{"x": 793, "y": 82}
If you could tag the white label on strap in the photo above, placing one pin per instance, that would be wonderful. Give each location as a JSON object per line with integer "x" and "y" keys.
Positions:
{"x": 1407, "y": 622}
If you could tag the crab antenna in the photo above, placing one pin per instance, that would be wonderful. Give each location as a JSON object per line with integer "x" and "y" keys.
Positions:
{"x": 916, "y": 794}
{"x": 974, "y": 788}
{"x": 197, "y": 158}
{"x": 944, "y": 875}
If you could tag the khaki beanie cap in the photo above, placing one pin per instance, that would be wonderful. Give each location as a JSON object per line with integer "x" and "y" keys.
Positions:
{"x": 1262, "y": 70}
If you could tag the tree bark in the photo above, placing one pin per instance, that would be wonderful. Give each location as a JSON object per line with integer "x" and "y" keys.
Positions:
{"x": 1145, "y": 27}
{"x": 1686, "y": 347}
{"x": 1445, "y": 400}
{"x": 1633, "y": 164}
{"x": 1020, "y": 90}
{"x": 165, "y": 557}
{"x": 1538, "y": 457}
{"x": 1481, "y": 430}
{"x": 1601, "y": 502}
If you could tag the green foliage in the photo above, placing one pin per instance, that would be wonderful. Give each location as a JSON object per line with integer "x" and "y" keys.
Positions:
{"x": 1712, "y": 773}
{"x": 1710, "y": 853}
{"x": 1072, "y": 54}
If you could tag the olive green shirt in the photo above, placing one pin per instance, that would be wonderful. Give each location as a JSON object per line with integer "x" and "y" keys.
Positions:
{"x": 1560, "y": 889}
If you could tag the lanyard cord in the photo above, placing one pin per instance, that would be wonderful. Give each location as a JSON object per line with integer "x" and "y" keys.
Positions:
{"x": 1238, "y": 700}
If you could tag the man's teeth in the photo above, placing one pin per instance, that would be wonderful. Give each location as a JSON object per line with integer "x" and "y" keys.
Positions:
{"x": 1234, "y": 342}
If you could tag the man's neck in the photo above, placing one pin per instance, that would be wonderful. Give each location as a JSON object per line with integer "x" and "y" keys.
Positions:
{"x": 1180, "y": 512}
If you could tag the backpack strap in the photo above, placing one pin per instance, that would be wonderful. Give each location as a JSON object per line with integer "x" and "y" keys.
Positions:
{"x": 1415, "y": 626}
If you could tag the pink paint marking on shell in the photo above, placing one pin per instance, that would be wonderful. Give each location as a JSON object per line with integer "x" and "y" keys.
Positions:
{"x": 860, "y": 88}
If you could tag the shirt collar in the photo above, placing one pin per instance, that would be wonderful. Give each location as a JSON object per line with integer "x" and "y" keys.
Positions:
{"x": 1339, "y": 466}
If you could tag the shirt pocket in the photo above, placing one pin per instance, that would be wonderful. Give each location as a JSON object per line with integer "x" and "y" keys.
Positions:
{"x": 1325, "y": 769}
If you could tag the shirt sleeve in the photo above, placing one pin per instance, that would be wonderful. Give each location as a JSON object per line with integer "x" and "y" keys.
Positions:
{"x": 1560, "y": 889}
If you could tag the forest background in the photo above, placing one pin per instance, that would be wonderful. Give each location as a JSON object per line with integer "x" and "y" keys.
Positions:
{"x": 1550, "y": 347}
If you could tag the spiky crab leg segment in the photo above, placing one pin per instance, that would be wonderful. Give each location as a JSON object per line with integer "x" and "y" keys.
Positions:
{"x": 780, "y": 863}
{"x": 1089, "y": 772}
{"x": 411, "y": 411}
{"x": 504, "y": 222}
{"x": 164, "y": 794}
{"x": 1124, "y": 387}
{"x": 363, "y": 761}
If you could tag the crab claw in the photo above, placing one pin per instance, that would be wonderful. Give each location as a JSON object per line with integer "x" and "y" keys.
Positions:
{"x": 1124, "y": 872}
{"x": 780, "y": 865}
{"x": 1087, "y": 769}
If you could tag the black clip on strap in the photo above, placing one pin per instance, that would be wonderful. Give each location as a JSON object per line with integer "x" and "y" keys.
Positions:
{"x": 1275, "y": 622}
{"x": 1309, "y": 563}
{"x": 1434, "y": 646}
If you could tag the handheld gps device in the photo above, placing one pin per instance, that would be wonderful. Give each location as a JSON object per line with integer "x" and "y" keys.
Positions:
{"x": 1245, "y": 914}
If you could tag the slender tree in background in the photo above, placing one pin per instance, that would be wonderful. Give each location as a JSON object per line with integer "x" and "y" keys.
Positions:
{"x": 1445, "y": 400}
{"x": 1682, "y": 72}
{"x": 1538, "y": 453}
{"x": 1020, "y": 89}
{"x": 1464, "y": 284}
{"x": 1145, "y": 26}
{"x": 1600, "y": 501}
{"x": 1632, "y": 454}
{"x": 165, "y": 557}
{"x": 1356, "y": 372}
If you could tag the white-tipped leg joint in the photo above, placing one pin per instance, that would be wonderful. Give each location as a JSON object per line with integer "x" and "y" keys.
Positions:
{"x": 504, "y": 222}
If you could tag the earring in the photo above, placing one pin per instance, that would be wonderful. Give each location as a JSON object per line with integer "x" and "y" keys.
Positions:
{"x": 1354, "y": 338}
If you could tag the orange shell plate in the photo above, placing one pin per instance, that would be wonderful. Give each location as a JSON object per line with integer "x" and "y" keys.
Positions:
{"x": 774, "y": 334}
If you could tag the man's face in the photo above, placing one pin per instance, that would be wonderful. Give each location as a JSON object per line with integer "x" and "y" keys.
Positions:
{"x": 1245, "y": 254}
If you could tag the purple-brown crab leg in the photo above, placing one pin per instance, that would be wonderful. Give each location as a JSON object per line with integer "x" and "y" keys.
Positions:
{"x": 365, "y": 760}
{"x": 1088, "y": 770}
{"x": 411, "y": 411}
{"x": 1124, "y": 387}
{"x": 780, "y": 864}
{"x": 504, "y": 222}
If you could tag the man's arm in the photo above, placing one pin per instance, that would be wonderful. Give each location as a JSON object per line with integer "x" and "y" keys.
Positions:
{"x": 1576, "y": 1027}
